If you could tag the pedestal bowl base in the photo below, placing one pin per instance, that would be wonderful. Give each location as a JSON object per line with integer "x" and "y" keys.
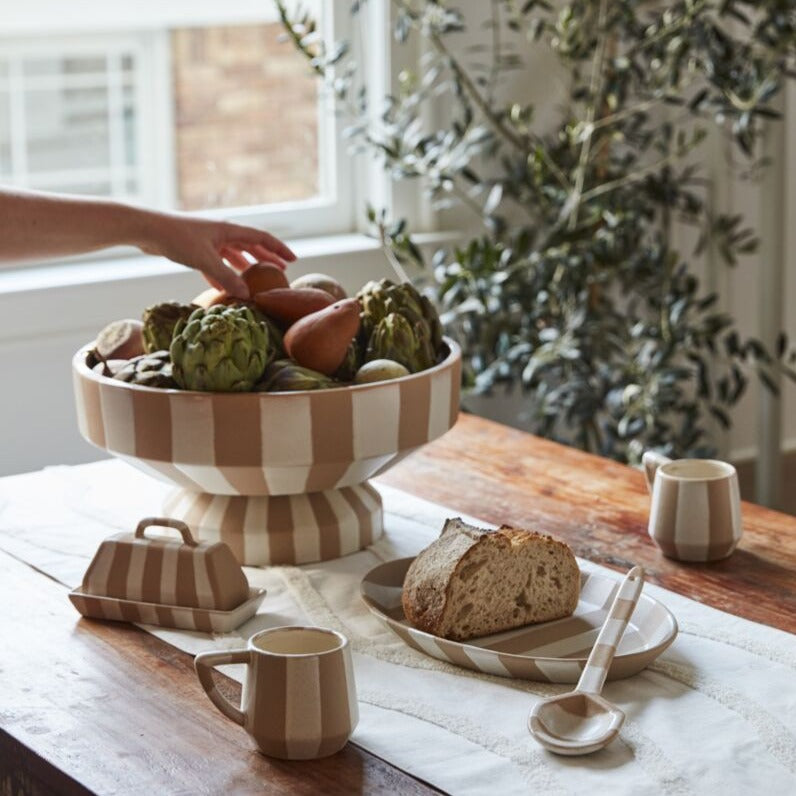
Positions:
{"x": 284, "y": 529}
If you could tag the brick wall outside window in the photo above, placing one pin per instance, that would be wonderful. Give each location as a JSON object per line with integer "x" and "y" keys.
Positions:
{"x": 245, "y": 115}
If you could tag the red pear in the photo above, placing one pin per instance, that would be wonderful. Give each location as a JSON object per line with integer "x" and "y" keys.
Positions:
{"x": 287, "y": 305}
{"x": 260, "y": 277}
{"x": 319, "y": 341}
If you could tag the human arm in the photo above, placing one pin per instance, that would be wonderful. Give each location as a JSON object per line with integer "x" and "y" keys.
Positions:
{"x": 36, "y": 225}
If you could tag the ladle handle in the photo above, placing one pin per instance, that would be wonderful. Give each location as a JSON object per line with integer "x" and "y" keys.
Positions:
{"x": 593, "y": 676}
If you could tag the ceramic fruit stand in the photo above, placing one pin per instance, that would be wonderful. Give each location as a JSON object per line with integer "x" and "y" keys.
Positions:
{"x": 280, "y": 477}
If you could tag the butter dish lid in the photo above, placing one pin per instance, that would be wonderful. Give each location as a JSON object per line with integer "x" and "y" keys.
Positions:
{"x": 167, "y": 571}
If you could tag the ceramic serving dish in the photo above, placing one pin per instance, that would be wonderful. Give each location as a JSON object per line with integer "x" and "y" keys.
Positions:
{"x": 167, "y": 580}
{"x": 280, "y": 477}
{"x": 553, "y": 652}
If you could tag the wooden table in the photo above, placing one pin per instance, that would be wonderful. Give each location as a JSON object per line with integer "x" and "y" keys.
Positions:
{"x": 103, "y": 707}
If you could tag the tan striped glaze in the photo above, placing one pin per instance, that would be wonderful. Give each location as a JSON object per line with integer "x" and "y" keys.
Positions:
{"x": 134, "y": 567}
{"x": 300, "y": 528}
{"x": 299, "y": 699}
{"x": 695, "y": 514}
{"x": 182, "y": 617}
{"x": 267, "y": 445}
{"x": 554, "y": 652}
{"x": 581, "y": 721}
{"x": 580, "y": 724}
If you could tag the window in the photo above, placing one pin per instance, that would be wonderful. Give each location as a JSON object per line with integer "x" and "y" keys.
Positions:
{"x": 195, "y": 106}
{"x": 246, "y": 118}
{"x": 71, "y": 117}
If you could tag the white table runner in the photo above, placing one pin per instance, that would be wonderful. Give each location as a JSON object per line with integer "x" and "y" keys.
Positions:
{"x": 715, "y": 714}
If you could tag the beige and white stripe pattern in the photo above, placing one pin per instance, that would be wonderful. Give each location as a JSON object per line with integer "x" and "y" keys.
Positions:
{"x": 184, "y": 618}
{"x": 308, "y": 452}
{"x": 300, "y": 528}
{"x": 581, "y": 722}
{"x": 552, "y": 652}
{"x": 602, "y": 653}
{"x": 130, "y": 566}
{"x": 267, "y": 443}
{"x": 299, "y": 698}
{"x": 695, "y": 514}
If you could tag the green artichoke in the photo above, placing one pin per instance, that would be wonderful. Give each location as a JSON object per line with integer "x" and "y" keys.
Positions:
{"x": 397, "y": 339}
{"x": 379, "y": 299}
{"x": 275, "y": 346}
{"x": 284, "y": 375}
{"x": 159, "y": 322}
{"x": 220, "y": 349}
{"x": 149, "y": 370}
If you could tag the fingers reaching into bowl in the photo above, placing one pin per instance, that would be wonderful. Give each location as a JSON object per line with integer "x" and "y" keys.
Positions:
{"x": 218, "y": 249}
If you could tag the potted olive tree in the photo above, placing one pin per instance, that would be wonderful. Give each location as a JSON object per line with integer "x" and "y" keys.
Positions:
{"x": 570, "y": 287}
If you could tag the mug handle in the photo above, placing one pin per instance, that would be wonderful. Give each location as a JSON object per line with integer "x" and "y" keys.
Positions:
{"x": 651, "y": 461}
{"x": 204, "y": 663}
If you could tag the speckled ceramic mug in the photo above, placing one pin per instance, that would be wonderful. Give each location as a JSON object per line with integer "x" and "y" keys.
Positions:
{"x": 299, "y": 700}
{"x": 696, "y": 507}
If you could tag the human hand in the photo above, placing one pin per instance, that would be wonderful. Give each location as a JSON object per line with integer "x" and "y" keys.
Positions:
{"x": 216, "y": 248}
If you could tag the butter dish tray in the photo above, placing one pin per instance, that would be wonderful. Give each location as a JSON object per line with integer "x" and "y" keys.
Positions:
{"x": 553, "y": 652}
{"x": 185, "y": 618}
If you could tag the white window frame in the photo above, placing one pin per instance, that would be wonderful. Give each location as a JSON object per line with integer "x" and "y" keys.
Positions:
{"x": 333, "y": 211}
{"x": 147, "y": 50}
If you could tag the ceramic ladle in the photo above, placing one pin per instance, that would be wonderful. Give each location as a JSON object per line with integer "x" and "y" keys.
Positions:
{"x": 581, "y": 721}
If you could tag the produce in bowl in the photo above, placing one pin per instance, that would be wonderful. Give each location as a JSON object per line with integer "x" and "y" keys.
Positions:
{"x": 271, "y": 427}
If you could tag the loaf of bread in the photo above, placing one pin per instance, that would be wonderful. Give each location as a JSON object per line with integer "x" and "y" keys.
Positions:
{"x": 471, "y": 582}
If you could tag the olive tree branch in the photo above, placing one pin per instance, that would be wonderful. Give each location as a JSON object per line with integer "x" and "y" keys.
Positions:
{"x": 696, "y": 8}
{"x": 576, "y": 197}
{"x": 467, "y": 200}
{"x": 496, "y": 122}
{"x": 495, "y": 69}
{"x": 614, "y": 118}
{"x": 629, "y": 179}
{"x": 294, "y": 36}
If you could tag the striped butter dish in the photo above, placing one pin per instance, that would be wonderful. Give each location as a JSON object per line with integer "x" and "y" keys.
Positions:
{"x": 553, "y": 652}
{"x": 279, "y": 477}
{"x": 205, "y": 620}
{"x": 168, "y": 581}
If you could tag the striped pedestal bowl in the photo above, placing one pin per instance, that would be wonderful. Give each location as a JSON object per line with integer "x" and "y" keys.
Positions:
{"x": 280, "y": 477}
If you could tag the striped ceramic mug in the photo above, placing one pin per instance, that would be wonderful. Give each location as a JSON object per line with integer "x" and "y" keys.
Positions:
{"x": 298, "y": 700}
{"x": 696, "y": 507}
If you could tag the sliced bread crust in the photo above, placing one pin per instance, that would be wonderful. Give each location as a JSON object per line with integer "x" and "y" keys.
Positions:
{"x": 473, "y": 582}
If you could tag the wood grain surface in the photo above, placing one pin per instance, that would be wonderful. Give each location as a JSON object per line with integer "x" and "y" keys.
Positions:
{"x": 93, "y": 707}
{"x": 103, "y": 707}
{"x": 600, "y": 508}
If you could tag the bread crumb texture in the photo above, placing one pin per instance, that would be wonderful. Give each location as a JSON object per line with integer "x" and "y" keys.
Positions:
{"x": 472, "y": 582}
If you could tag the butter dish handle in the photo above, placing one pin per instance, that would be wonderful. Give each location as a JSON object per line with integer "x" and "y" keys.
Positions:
{"x": 166, "y": 522}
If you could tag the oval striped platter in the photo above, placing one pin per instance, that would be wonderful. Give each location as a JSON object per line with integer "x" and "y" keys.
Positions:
{"x": 552, "y": 652}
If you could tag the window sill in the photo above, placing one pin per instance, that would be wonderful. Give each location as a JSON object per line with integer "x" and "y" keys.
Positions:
{"x": 52, "y": 276}
{"x": 47, "y": 299}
